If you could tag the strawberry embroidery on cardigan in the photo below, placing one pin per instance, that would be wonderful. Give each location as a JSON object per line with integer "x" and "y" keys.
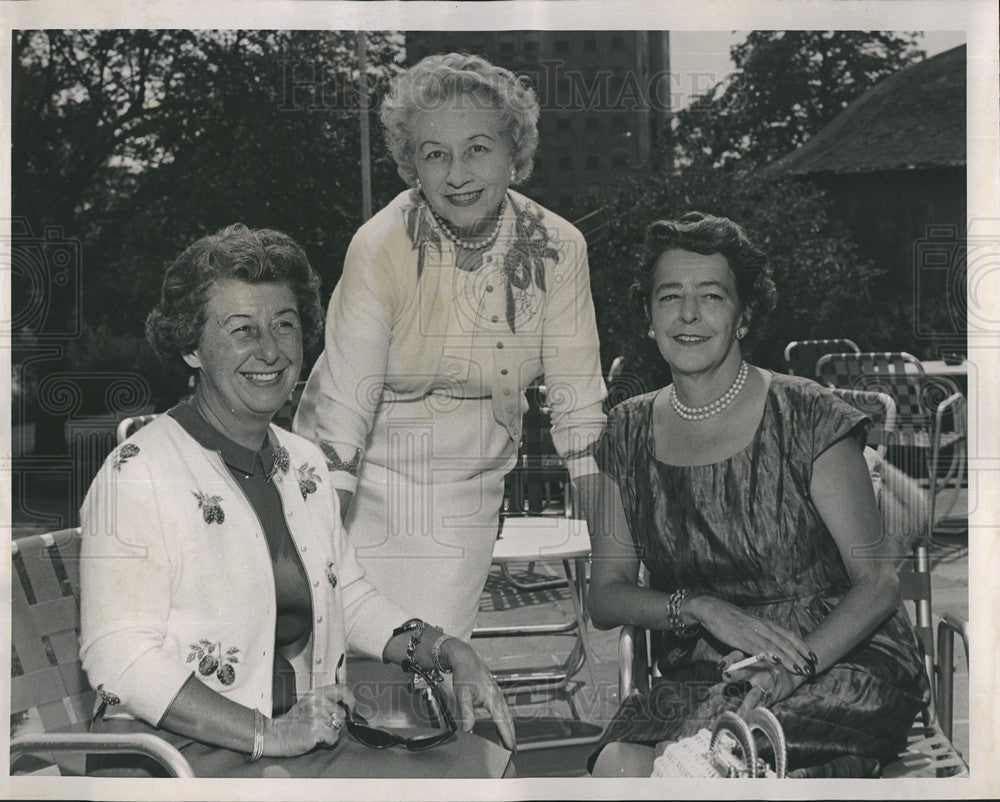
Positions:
{"x": 212, "y": 662}
{"x": 211, "y": 508}
{"x": 308, "y": 479}
{"x": 125, "y": 453}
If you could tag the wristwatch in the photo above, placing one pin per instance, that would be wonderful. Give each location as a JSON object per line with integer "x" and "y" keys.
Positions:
{"x": 412, "y": 625}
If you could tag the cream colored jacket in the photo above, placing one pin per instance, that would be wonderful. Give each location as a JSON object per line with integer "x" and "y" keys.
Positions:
{"x": 176, "y": 576}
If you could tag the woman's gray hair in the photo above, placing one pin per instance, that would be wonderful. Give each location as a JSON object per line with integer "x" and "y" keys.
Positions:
{"x": 436, "y": 79}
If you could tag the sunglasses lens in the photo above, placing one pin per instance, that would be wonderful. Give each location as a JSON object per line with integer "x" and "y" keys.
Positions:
{"x": 382, "y": 739}
{"x": 428, "y": 741}
{"x": 371, "y": 737}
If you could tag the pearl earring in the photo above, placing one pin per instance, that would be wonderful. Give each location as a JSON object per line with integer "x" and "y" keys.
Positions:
{"x": 741, "y": 332}
{"x": 513, "y": 174}
{"x": 652, "y": 334}
{"x": 418, "y": 185}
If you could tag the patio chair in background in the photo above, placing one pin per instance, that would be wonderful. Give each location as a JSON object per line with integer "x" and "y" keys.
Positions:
{"x": 930, "y": 419}
{"x": 130, "y": 426}
{"x": 801, "y": 356}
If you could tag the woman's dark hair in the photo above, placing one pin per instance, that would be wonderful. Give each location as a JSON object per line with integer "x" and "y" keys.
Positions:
{"x": 707, "y": 234}
{"x": 256, "y": 256}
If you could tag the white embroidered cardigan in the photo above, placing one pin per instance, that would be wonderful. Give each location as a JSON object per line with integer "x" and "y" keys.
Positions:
{"x": 176, "y": 576}
{"x": 404, "y": 321}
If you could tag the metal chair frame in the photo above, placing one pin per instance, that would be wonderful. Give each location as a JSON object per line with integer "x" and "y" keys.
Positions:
{"x": 570, "y": 546}
{"x": 925, "y": 405}
{"x": 801, "y": 356}
{"x": 47, "y": 676}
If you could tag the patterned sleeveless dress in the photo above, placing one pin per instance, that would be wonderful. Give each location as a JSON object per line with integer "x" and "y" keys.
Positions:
{"x": 745, "y": 530}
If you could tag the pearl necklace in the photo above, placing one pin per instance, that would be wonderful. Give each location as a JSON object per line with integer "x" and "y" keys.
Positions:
{"x": 700, "y": 413}
{"x": 461, "y": 243}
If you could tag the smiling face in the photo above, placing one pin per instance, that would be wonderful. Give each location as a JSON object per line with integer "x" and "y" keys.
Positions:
{"x": 463, "y": 159}
{"x": 249, "y": 355}
{"x": 695, "y": 310}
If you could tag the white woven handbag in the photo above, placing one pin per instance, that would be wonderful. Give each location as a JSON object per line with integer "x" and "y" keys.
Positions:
{"x": 728, "y": 750}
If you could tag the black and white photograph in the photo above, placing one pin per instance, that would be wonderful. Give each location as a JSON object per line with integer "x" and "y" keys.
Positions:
{"x": 500, "y": 400}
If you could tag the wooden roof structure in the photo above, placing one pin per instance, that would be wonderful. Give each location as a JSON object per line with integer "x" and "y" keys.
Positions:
{"x": 912, "y": 120}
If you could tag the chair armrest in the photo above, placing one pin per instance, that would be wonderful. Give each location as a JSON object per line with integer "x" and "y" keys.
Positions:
{"x": 955, "y": 623}
{"x": 942, "y": 410}
{"x": 947, "y": 627}
{"x": 104, "y": 743}
{"x": 626, "y": 662}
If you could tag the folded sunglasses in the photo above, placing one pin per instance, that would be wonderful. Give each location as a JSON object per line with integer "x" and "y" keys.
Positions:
{"x": 376, "y": 738}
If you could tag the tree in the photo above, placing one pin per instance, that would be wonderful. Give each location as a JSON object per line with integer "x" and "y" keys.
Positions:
{"x": 786, "y": 86}
{"x": 135, "y": 143}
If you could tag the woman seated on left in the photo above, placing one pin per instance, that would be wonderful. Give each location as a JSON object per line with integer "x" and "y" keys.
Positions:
{"x": 218, "y": 595}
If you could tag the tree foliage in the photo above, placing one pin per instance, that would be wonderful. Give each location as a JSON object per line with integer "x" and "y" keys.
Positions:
{"x": 785, "y": 87}
{"x": 135, "y": 143}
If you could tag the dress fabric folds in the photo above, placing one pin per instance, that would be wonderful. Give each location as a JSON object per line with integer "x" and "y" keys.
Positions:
{"x": 745, "y": 530}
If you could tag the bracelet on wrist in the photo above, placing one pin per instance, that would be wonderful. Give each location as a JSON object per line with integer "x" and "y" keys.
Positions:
{"x": 674, "y": 620}
{"x": 416, "y": 634}
{"x": 439, "y": 669}
{"x": 406, "y": 626}
{"x": 258, "y": 737}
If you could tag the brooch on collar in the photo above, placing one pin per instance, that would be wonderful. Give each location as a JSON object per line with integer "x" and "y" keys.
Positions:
{"x": 281, "y": 462}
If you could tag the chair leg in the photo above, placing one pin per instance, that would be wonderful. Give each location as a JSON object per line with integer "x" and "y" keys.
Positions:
{"x": 945, "y": 679}
{"x": 578, "y": 594}
{"x": 947, "y": 627}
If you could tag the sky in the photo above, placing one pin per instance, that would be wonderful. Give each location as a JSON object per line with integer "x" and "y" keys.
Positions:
{"x": 700, "y": 59}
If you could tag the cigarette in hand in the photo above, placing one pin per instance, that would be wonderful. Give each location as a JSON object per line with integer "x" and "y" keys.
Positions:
{"x": 746, "y": 663}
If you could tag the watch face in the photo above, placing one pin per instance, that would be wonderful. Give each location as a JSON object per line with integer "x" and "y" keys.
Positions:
{"x": 407, "y": 626}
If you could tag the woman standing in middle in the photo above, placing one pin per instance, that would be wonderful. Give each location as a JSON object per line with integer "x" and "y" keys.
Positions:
{"x": 453, "y": 299}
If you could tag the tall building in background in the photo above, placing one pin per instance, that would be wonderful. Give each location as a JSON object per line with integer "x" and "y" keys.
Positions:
{"x": 604, "y": 96}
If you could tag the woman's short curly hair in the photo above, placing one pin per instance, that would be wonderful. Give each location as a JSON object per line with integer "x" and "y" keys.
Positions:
{"x": 707, "y": 234}
{"x": 256, "y": 256}
{"x": 436, "y": 79}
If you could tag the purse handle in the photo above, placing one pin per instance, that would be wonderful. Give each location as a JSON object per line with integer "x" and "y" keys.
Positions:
{"x": 733, "y": 730}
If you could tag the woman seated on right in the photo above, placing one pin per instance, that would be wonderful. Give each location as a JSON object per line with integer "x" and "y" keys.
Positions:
{"x": 745, "y": 495}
